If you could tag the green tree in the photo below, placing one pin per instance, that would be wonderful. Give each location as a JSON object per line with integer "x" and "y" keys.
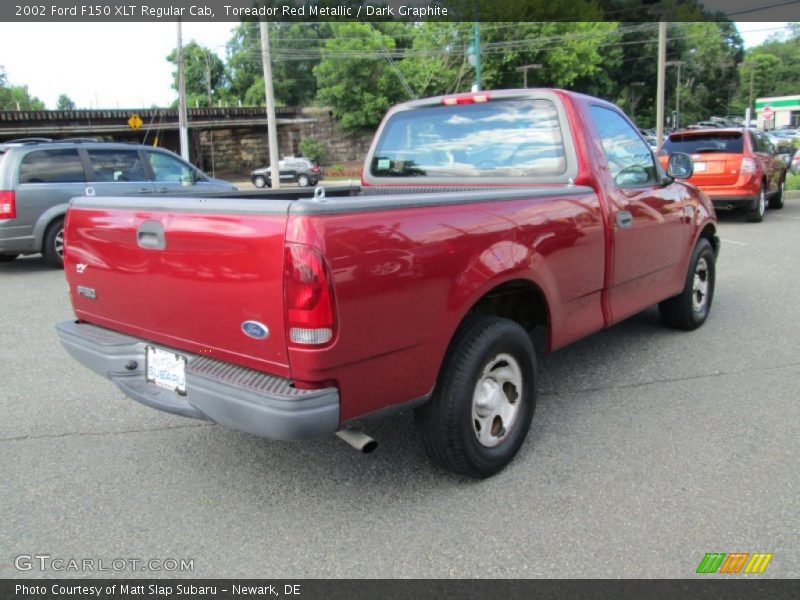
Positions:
{"x": 295, "y": 49}
{"x": 65, "y": 103}
{"x": 202, "y": 69}
{"x": 16, "y": 96}
{"x": 354, "y": 77}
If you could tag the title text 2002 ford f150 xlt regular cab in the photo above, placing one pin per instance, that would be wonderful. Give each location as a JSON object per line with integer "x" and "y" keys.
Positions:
{"x": 481, "y": 217}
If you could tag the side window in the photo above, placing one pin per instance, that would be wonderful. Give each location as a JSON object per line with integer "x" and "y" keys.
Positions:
{"x": 758, "y": 143}
{"x": 629, "y": 157}
{"x": 116, "y": 165}
{"x": 168, "y": 168}
{"x": 52, "y": 166}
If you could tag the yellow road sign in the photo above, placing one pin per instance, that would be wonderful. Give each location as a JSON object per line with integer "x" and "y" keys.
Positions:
{"x": 135, "y": 122}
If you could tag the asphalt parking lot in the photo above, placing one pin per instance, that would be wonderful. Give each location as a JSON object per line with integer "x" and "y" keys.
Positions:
{"x": 649, "y": 448}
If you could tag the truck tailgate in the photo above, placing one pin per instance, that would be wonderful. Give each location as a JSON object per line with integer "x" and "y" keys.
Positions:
{"x": 184, "y": 272}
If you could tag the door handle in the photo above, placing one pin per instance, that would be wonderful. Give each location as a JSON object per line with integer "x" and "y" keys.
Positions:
{"x": 624, "y": 219}
{"x": 150, "y": 236}
{"x": 162, "y": 190}
{"x": 144, "y": 190}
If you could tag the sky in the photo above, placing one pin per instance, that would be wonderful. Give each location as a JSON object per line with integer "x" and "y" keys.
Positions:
{"x": 123, "y": 65}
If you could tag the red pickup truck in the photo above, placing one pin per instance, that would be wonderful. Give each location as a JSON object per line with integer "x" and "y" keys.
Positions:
{"x": 480, "y": 217}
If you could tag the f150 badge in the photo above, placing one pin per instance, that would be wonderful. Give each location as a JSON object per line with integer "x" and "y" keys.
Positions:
{"x": 256, "y": 330}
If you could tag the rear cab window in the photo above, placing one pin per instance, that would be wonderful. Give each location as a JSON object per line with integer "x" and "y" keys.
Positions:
{"x": 730, "y": 142}
{"x": 52, "y": 166}
{"x": 503, "y": 140}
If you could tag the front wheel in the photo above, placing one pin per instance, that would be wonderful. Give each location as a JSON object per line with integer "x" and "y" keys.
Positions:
{"x": 260, "y": 181}
{"x": 483, "y": 404}
{"x": 689, "y": 309}
{"x": 756, "y": 214}
{"x": 53, "y": 244}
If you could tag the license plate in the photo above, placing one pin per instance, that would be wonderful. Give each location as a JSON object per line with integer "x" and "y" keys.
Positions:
{"x": 699, "y": 167}
{"x": 166, "y": 369}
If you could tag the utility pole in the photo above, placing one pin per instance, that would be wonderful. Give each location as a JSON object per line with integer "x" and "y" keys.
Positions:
{"x": 476, "y": 49}
{"x": 679, "y": 64}
{"x": 748, "y": 114}
{"x": 272, "y": 127}
{"x": 184, "y": 133}
{"x": 524, "y": 69}
{"x": 210, "y": 105}
{"x": 634, "y": 99}
{"x": 662, "y": 55}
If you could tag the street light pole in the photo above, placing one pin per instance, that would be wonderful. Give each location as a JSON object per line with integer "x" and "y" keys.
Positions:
{"x": 679, "y": 64}
{"x": 752, "y": 65}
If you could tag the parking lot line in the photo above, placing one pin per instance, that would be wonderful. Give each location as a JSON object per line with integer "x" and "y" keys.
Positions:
{"x": 727, "y": 241}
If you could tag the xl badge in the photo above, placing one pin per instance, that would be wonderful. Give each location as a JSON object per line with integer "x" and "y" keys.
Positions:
{"x": 256, "y": 330}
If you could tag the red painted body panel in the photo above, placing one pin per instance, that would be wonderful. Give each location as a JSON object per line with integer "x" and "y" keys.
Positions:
{"x": 403, "y": 279}
{"x": 216, "y": 272}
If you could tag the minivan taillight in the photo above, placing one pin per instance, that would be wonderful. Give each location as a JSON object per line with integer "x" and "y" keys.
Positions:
{"x": 308, "y": 296}
{"x": 748, "y": 167}
{"x": 8, "y": 204}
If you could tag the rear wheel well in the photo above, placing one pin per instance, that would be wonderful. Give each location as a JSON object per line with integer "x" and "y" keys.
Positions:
{"x": 709, "y": 233}
{"x": 519, "y": 300}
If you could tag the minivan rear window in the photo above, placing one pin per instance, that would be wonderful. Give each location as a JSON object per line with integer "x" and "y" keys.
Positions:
{"x": 724, "y": 141}
{"x": 51, "y": 166}
{"x": 501, "y": 138}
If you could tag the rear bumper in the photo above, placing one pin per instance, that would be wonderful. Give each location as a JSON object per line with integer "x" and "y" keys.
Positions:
{"x": 731, "y": 202}
{"x": 224, "y": 393}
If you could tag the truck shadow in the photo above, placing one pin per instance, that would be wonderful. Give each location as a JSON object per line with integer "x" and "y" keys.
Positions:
{"x": 400, "y": 459}
{"x": 25, "y": 264}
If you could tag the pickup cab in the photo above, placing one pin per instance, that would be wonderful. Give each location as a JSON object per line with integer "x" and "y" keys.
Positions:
{"x": 480, "y": 218}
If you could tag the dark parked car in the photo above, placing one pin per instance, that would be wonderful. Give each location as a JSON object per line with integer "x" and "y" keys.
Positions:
{"x": 300, "y": 170}
{"x": 38, "y": 177}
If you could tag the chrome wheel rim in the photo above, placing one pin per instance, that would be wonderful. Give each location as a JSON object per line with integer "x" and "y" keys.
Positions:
{"x": 303, "y": 181}
{"x": 260, "y": 182}
{"x": 496, "y": 400}
{"x": 762, "y": 202}
{"x": 59, "y": 243}
{"x": 700, "y": 286}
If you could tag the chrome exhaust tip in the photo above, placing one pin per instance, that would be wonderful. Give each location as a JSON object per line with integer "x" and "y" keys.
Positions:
{"x": 358, "y": 440}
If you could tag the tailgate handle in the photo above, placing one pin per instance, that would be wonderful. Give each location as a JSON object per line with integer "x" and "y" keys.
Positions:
{"x": 624, "y": 219}
{"x": 150, "y": 235}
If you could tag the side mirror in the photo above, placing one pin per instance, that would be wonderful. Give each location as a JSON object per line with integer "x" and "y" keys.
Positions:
{"x": 680, "y": 165}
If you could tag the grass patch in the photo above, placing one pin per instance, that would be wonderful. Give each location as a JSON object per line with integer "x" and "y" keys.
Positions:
{"x": 792, "y": 182}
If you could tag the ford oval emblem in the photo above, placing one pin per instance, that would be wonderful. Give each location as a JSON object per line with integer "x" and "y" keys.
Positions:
{"x": 256, "y": 330}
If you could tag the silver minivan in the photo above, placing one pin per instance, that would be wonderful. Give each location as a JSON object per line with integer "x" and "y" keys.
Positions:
{"x": 39, "y": 177}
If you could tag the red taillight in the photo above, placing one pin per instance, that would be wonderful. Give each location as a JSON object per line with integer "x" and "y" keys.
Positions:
{"x": 8, "y": 204}
{"x": 308, "y": 296}
{"x": 749, "y": 166}
{"x": 466, "y": 99}
{"x": 315, "y": 169}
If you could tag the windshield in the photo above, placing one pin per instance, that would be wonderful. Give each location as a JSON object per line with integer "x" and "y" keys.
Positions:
{"x": 727, "y": 141}
{"x": 505, "y": 138}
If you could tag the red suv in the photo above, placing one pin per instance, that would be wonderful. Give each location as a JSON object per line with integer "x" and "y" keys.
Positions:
{"x": 737, "y": 168}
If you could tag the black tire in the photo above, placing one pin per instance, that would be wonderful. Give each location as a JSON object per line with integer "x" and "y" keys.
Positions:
{"x": 687, "y": 310}
{"x": 8, "y": 257}
{"x": 260, "y": 181}
{"x": 776, "y": 202}
{"x": 450, "y": 425}
{"x": 303, "y": 181}
{"x": 53, "y": 244}
{"x": 756, "y": 214}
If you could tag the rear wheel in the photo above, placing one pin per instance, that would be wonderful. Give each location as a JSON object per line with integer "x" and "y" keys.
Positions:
{"x": 53, "y": 244}
{"x": 260, "y": 181}
{"x": 689, "y": 309}
{"x": 776, "y": 201}
{"x": 483, "y": 404}
{"x": 756, "y": 214}
{"x": 303, "y": 181}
